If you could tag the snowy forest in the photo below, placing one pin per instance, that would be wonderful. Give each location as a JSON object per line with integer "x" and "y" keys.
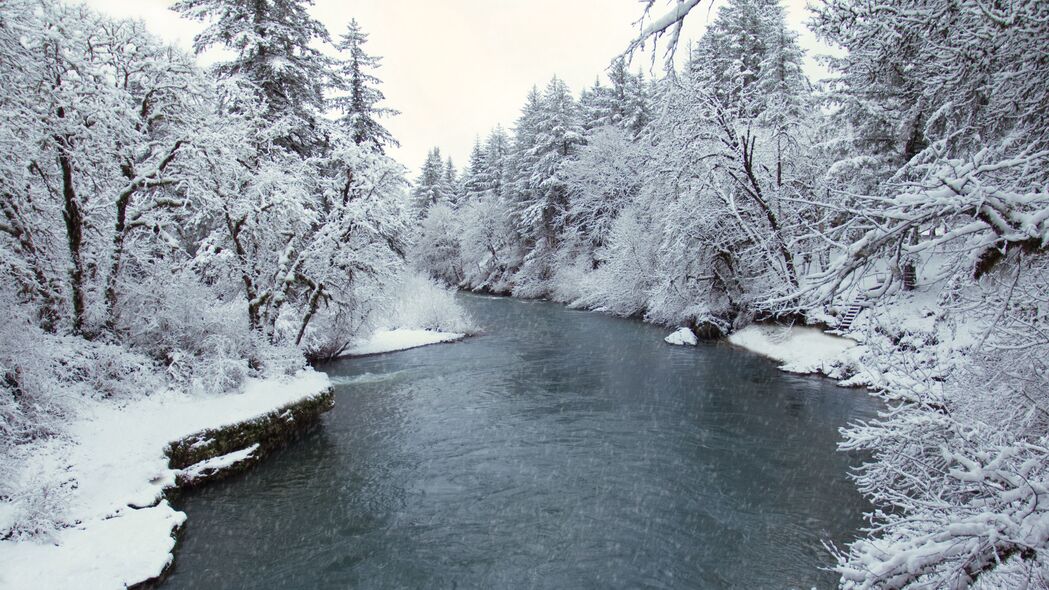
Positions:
{"x": 914, "y": 183}
{"x": 167, "y": 226}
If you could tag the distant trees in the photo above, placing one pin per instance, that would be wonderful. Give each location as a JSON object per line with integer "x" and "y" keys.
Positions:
{"x": 431, "y": 187}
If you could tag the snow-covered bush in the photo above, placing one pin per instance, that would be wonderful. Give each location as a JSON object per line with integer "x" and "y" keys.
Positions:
{"x": 420, "y": 302}
{"x": 46, "y": 378}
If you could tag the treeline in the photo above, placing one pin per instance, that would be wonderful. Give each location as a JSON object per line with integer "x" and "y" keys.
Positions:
{"x": 162, "y": 225}
{"x": 916, "y": 180}
{"x": 660, "y": 198}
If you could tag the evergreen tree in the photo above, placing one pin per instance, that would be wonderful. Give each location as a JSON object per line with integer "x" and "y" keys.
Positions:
{"x": 272, "y": 44}
{"x": 359, "y": 105}
{"x": 497, "y": 162}
{"x": 523, "y": 159}
{"x": 624, "y": 105}
{"x": 429, "y": 187}
{"x": 593, "y": 102}
{"x": 557, "y": 134}
{"x": 451, "y": 186}
{"x": 476, "y": 176}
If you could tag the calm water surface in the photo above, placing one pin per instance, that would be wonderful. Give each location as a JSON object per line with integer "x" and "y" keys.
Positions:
{"x": 561, "y": 449}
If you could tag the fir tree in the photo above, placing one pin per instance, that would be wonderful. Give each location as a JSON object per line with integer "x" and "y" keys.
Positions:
{"x": 451, "y": 188}
{"x": 359, "y": 103}
{"x": 497, "y": 162}
{"x": 429, "y": 187}
{"x": 272, "y": 44}
{"x": 476, "y": 177}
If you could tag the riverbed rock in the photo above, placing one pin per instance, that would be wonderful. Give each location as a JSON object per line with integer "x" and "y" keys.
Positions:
{"x": 682, "y": 337}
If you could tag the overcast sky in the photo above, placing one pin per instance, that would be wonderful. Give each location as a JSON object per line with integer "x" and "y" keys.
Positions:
{"x": 456, "y": 68}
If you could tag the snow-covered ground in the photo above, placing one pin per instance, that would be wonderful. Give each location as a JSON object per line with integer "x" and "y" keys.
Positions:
{"x": 116, "y": 470}
{"x": 400, "y": 339}
{"x": 800, "y": 349}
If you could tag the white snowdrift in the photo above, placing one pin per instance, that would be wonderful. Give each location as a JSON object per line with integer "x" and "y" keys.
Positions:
{"x": 115, "y": 454}
{"x": 800, "y": 349}
{"x": 682, "y": 337}
{"x": 400, "y": 339}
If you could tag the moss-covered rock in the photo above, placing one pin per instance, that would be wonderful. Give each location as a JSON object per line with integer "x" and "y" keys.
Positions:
{"x": 270, "y": 431}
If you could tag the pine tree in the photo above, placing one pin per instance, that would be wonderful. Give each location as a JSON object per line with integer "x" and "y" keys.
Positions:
{"x": 476, "y": 176}
{"x": 429, "y": 187}
{"x": 743, "y": 52}
{"x": 557, "y": 136}
{"x": 593, "y": 103}
{"x": 497, "y": 162}
{"x": 272, "y": 42}
{"x": 451, "y": 187}
{"x": 522, "y": 163}
{"x": 359, "y": 105}
{"x": 624, "y": 105}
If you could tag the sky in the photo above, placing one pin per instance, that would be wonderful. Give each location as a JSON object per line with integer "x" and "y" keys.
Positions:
{"x": 456, "y": 68}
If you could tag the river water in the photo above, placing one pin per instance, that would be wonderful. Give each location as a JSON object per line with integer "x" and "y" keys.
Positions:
{"x": 560, "y": 449}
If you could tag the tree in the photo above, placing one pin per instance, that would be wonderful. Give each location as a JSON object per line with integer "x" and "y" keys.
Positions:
{"x": 476, "y": 176}
{"x": 273, "y": 46}
{"x": 451, "y": 184}
{"x": 553, "y": 133}
{"x": 624, "y": 105}
{"x": 430, "y": 186}
{"x": 359, "y": 104}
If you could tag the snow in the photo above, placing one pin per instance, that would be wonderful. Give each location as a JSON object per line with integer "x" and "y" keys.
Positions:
{"x": 115, "y": 457}
{"x": 682, "y": 337}
{"x": 800, "y": 349}
{"x": 400, "y": 339}
{"x": 219, "y": 463}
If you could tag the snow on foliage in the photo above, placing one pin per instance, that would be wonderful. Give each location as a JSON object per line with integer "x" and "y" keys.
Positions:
{"x": 904, "y": 202}
{"x": 163, "y": 228}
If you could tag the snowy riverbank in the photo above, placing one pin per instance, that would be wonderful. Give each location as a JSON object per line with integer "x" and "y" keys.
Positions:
{"x": 799, "y": 349}
{"x": 400, "y": 339}
{"x": 114, "y": 470}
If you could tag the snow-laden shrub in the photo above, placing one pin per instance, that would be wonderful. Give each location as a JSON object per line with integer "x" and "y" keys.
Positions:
{"x": 203, "y": 342}
{"x": 33, "y": 496}
{"x": 572, "y": 269}
{"x": 532, "y": 280}
{"x": 45, "y": 377}
{"x": 423, "y": 303}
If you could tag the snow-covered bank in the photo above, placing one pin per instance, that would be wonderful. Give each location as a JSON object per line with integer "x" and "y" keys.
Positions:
{"x": 800, "y": 349}
{"x": 114, "y": 467}
{"x": 400, "y": 339}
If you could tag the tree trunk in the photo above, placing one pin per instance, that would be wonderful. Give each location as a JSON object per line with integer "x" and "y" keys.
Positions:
{"x": 74, "y": 220}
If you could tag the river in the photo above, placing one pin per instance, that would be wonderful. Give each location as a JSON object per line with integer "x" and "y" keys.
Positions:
{"x": 560, "y": 449}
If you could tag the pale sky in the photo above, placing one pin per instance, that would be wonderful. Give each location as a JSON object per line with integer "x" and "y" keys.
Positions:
{"x": 456, "y": 68}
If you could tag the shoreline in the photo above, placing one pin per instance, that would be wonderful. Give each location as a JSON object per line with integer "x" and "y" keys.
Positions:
{"x": 123, "y": 464}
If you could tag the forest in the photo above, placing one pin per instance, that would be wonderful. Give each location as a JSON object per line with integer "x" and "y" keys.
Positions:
{"x": 169, "y": 226}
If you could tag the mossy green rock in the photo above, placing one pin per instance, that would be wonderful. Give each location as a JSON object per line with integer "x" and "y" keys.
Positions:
{"x": 270, "y": 431}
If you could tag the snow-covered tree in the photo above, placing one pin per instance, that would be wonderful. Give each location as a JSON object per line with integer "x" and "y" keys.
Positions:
{"x": 476, "y": 176}
{"x": 451, "y": 183}
{"x": 430, "y": 186}
{"x": 274, "y": 47}
{"x": 358, "y": 99}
